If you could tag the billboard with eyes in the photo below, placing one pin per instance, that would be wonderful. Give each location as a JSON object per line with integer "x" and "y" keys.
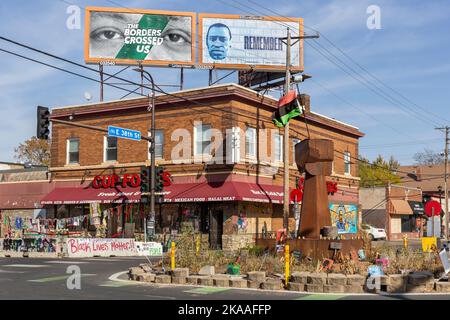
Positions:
{"x": 128, "y": 36}
{"x": 248, "y": 42}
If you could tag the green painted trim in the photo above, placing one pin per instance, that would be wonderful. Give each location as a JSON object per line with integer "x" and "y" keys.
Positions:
{"x": 207, "y": 290}
{"x": 321, "y": 297}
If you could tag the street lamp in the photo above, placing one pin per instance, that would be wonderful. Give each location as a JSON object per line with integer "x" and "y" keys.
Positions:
{"x": 151, "y": 107}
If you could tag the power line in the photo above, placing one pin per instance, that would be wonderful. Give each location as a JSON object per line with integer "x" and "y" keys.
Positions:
{"x": 389, "y": 99}
{"x": 396, "y": 144}
{"x": 357, "y": 64}
{"x": 112, "y": 76}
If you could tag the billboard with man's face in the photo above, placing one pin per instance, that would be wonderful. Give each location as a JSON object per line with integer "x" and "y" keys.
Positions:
{"x": 235, "y": 42}
{"x": 127, "y": 36}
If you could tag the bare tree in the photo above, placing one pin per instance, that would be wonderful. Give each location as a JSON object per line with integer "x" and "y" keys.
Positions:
{"x": 428, "y": 157}
{"x": 34, "y": 150}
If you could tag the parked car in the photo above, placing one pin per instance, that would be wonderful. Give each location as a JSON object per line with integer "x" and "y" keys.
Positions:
{"x": 374, "y": 233}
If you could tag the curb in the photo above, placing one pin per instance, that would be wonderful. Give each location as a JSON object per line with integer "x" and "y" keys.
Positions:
{"x": 115, "y": 277}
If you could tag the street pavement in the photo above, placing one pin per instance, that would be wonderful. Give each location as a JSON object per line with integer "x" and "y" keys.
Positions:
{"x": 105, "y": 279}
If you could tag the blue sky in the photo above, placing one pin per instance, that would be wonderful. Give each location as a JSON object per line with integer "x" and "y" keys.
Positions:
{"x": 410, "y": 53}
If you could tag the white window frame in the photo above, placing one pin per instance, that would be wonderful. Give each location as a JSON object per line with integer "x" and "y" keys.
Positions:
{"x": 68, "y": 151}
{"x": 162, "y": 144}
{"x": 105, "y": 144}
{"x": 248, "y": 142}
{"x": 278, "y": 137}
{"x": 347, "y": 161}
{"x": 196, "y": 133}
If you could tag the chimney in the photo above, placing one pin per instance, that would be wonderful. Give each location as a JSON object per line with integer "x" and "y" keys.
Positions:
{"x": 305, "y": 101}
{"x": 419, "y": 174}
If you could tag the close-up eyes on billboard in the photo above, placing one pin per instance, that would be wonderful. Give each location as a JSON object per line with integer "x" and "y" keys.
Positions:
{"x": 124, "y": 36}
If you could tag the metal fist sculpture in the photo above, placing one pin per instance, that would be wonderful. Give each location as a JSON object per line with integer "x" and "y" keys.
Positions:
{"x": 315, "y": 157}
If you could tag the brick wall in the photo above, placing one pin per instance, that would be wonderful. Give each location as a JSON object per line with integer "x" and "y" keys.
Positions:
{"x": 223, "y": 107}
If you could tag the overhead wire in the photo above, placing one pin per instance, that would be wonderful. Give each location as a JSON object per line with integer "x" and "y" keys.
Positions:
{"x": 426, "y": 110}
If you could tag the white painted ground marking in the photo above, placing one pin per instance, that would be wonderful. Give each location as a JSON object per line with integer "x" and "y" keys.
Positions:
{"x": 66, "y": 262}
{"x": 25, "y": 265}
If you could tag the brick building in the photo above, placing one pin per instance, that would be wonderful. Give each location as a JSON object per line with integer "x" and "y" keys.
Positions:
{"x": 233, "y": 199}
{"x": 395, "y": 208}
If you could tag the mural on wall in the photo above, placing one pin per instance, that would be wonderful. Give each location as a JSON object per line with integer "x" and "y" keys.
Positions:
{"x": 344, "y": 217}
{"x": 242, "y": 221}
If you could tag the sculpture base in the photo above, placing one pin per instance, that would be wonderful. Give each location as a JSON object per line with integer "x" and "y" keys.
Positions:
{"x": 317, "y": 249}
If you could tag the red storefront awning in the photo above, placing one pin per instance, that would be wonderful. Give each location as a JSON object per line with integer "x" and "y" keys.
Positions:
{"x": 91, "y": 195}
{"x": 227, "y": 191}
{"x": 184, "y": 192}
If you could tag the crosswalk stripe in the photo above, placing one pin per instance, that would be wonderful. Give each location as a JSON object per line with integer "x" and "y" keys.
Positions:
{"x": 115, "y": 284}
{"x": 25, "y": 265}
{"x": 57, "y": 278}
{"x": 321, "y": 297}
{"x": 66, "y": 262}
{"x": 11, "y": 271}
{"x": 207, "y": 290}
{"x": 99, "y": 259}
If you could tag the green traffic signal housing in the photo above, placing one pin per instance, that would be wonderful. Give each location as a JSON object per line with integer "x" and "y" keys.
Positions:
{"x": 43, "y": 123}
{"x": 159, "y": 182}
{"x": 145, "y": 179}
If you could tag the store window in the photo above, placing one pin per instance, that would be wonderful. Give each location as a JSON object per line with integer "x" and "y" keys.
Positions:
{"x": 73, "y": 154}
{"x": 294, "y": 142}
{"x": 159, "y": 143}
{"x": 202, "y": 138}
{"x": 110, "y": 149}
{"x": 347, "y": 162}
{"x": 408, "y": 223}
{"x": 250, "y": 142}
{"x": 277, "y": 147}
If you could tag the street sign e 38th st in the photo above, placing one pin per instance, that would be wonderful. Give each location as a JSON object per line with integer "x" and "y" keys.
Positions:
{"x": 124, "y": 133}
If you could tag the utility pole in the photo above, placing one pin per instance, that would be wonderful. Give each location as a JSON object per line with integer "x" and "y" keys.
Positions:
{"x": 286, "y": 148}
{"x": 286, "y": 139}
{"x": 446, "y": 218}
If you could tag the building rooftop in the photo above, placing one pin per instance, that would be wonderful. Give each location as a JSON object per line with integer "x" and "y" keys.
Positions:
{"x": 428, "y": 178}
{"x": 195, "y": 95}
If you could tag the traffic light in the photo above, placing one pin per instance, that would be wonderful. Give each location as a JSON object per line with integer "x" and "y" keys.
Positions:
{"x": 43, "y": 122}
{"x": 159, "y": 181}
{"x": 145, "y": 179}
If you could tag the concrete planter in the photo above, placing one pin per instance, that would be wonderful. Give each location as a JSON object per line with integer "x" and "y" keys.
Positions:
{"x": 420, "y": 282}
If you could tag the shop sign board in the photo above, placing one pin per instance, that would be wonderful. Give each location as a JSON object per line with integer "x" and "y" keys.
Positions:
{"x": 428, "y": 243}
{"x": 150, "y": 249}
{"x": 137, "y": 36}
{"x": 103, "y": 247}
{"x": 113, "y": 180}
{"x": 124, "y": 133}
{"x": 248, "y": 42}
{"x": 432, "y": 208}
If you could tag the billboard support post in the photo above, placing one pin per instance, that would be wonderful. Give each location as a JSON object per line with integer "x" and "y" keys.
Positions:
{"x": 181, "y": 78}
{"x": 100, "y": 68}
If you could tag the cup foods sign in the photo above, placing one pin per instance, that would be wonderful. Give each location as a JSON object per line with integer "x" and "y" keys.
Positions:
{"x": 162, "y": 38}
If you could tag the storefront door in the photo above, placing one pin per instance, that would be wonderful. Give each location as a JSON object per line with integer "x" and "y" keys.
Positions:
{"x": 216, "y": 229}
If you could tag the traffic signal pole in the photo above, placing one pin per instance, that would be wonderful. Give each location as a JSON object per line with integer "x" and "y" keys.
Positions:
{"x": 152, "y": 158}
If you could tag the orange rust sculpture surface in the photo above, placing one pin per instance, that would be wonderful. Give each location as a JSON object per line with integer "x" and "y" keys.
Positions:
{"x": 314, "y": 157}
